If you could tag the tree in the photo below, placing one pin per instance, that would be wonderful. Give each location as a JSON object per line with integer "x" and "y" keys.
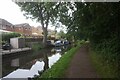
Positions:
{"x": 99, "y": 22}
{"x": 61, "y": 35}
{"x": 43, "y": 12}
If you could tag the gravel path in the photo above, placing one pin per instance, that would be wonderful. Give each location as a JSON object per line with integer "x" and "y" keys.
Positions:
{"x": 80, "y": 66}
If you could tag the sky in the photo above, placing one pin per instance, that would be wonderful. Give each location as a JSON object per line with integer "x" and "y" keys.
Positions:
{"x": 12, "y": 13}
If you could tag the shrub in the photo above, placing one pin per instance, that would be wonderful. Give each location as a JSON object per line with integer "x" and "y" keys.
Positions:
{"x": 6, "y": 36}
{"x": 37, "y": 46}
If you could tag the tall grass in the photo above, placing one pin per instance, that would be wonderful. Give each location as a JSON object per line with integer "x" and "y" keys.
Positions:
{"x": 104, "y": 69}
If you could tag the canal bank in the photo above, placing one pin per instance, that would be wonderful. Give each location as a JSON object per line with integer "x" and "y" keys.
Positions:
{"x": 59, "y": 68}
{"x": 15, "y": 51}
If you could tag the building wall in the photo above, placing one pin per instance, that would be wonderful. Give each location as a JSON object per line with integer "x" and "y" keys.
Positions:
{"x": 37, "y": 31}
{"x": 8, "y": 28}
{"x": 5, "y": 25}
{"x": 17, "y": 42}
{"x": 19, "y": 30}
{"x": 27, "y": 30}
{"x": 24, "y": 29}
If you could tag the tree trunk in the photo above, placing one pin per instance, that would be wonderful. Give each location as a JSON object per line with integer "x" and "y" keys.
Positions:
{"x": 45, "y": 37}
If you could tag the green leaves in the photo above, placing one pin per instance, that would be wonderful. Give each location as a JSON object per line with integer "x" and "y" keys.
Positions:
{"x": 6, "y": 36}
{"x": 99, "y": 22}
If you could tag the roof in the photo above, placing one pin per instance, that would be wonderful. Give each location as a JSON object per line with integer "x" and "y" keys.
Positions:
{"x": 5, "y": 22}
{"x": 22, "y": 25}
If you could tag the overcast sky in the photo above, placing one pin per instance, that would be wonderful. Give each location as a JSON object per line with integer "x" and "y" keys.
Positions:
{"x": 12, "y": 13}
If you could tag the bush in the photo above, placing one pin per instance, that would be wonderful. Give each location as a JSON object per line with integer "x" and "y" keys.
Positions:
{"x": 37, "y": 46}
{"x": 6, "y": 36}
{"x": 106, "y": 56}
{"x": 103, "y": 68}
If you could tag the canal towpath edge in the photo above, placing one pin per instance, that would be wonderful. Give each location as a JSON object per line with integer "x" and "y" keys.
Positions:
{"x": 81, "y": 65}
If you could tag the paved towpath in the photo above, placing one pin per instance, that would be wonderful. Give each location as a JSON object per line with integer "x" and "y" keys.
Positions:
{"x": 80, "y": 66}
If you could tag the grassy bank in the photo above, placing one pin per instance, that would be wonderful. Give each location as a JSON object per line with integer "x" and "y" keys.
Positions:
{"x": 104, "y": 69}
{"x": 58, "y": 69}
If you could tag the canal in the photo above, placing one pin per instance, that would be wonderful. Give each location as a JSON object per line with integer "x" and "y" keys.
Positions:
{"x": 31, "y": 64}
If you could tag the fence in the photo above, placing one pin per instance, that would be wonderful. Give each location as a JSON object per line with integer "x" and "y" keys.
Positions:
{"x": 24, "y": 42}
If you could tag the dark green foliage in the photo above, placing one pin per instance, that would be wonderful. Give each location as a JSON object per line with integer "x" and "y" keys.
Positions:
{"x": 98, "y": 22}
{"x": 6, "y": 36}
{"x": 61, "y": 34}
{"x": 104, "y": 69}
{"x": 37, "y": 46}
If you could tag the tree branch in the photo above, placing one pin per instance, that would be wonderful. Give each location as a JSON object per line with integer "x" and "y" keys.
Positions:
{"x": 40, "y": 14}
{"x": 47, "y": 21}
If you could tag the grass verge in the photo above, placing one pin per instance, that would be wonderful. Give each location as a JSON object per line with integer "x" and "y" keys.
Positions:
{"x": 104, "y": 69}
{"x": 58, "y": 69}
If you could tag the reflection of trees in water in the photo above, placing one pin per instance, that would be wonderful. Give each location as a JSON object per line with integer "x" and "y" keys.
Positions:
{"x": 64, "y": 48}
{"x": 48, "y": 53}
{"x": 27, "y": 60}
{"x": 46, "y": 61}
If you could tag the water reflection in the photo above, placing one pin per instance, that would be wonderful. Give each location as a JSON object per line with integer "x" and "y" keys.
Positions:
{"x": 45, "y": 61}
{"x": 25, "y": 73}
{"x": 15, "y": 62}
{"x": 29, "y": 65}
{"x": 58, "y": 49}
{"x": 53, "y": 59}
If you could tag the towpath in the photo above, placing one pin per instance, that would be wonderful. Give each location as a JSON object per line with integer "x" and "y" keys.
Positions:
{"x": 80, "y": 66}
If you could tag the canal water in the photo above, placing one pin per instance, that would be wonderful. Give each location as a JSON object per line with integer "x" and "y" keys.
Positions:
{"x": 29, "y": 65}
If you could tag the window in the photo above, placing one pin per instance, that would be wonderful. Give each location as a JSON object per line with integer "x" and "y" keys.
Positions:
{"x": 3, "y": 27}
{"x": 0, "y": 26}
{"x": 19, "y": 28}
{"x": 13, "y": 27}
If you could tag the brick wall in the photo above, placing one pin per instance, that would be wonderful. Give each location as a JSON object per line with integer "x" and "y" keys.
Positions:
{"x": 24, "y": 29}
{"x": 19, "y": 30}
